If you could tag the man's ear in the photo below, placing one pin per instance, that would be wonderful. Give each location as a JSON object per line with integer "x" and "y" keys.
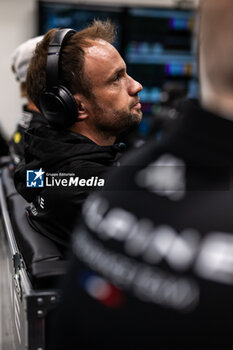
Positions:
{"x": 82, "y": 111}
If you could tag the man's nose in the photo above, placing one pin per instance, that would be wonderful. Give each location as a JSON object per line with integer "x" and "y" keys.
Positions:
{"x": 134, "y": 86}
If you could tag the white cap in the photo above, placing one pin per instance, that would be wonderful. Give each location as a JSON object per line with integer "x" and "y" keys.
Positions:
{"x": 21, "y": 58}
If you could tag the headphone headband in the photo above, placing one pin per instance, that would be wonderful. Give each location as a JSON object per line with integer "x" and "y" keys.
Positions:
{"x": 54, "y": 54}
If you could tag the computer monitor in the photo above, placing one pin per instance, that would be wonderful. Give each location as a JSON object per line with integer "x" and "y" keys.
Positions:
{"x": 160, "y": 53}
{"x": 76, "y": 16}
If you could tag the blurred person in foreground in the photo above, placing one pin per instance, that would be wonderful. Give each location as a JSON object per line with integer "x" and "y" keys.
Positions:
{"x": 152, "y": 262}
{"x": 31, "y": 117}
{"x": 78, "y": 147}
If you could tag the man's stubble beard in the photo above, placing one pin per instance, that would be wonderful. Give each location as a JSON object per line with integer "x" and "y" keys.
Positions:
{"x": 121, "y": 122}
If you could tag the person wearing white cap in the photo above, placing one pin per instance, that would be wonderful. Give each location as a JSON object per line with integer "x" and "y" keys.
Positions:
{"x": 31, "y": 117}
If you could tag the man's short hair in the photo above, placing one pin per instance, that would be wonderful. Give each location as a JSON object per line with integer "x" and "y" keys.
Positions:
{"x": 216, "y": 43}
{"x": 72, "y": 60}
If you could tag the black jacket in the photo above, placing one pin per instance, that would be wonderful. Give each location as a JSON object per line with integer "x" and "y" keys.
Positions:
{"x": 59, "y": 152}
{"x": 29, "y": 119}
{"x": 153, "y": 261}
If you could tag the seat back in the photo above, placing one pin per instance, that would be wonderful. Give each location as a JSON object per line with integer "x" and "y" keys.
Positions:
{"x": 43, "y": 258}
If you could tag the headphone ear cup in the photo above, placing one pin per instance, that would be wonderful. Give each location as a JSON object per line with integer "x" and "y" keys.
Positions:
{"x": 59, "y": 107}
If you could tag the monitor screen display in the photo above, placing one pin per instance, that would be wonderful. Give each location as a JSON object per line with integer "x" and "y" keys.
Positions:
{"x": 160, "y": 53}
{"x": 70, "y": 15}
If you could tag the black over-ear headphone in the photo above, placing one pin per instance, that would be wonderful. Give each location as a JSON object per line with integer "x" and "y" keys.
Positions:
{"x": 57, "y": 103}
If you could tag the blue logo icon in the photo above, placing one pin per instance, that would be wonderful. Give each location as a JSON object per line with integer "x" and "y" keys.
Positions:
{"x": 35, "y": 178}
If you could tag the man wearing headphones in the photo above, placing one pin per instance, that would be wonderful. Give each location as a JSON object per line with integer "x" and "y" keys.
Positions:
{"x": 152, "y": 264}
{"x": 79, "y": 82}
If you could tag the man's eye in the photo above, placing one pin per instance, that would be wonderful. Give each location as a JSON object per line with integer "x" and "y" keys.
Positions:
{"x": 117, "y": 77}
